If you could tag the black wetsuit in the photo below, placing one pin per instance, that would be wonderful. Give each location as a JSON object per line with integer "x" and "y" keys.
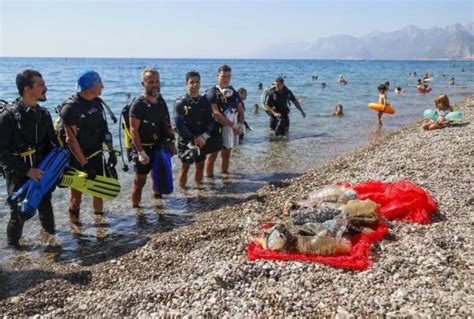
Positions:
{"x": 193, "y": 117}
{"x": 155, "y": 129}
{"x": 23, "y": 128}
{"x": 279, "y": 101}
{"x": 92, "y": 128}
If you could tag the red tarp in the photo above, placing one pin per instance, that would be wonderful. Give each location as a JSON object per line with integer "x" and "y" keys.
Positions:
{"x": 401, "y": 200}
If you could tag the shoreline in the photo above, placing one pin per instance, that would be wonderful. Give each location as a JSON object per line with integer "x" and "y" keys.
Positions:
{"x": 201, "y": 269}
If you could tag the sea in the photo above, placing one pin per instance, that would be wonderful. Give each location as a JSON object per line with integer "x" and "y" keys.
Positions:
{"x": 260, "y": 160}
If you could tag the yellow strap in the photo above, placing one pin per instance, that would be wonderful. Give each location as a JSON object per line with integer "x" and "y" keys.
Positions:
{"x": 26, "y": 153}
{"x": 127, "y": 132}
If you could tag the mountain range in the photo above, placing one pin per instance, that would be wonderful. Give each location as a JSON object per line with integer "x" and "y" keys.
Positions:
{"x": 454, "y": 42}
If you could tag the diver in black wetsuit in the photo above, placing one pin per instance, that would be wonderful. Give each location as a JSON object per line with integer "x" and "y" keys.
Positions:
{"x": 276, "y": 104}
{"x": 27, "y": 136}
{"x": 194, "y": 123}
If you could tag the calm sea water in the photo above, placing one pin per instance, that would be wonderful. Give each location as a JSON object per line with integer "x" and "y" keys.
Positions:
{"x": 260, "y": 160}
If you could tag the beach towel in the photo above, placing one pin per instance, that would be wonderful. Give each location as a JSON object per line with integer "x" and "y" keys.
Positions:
{"x": 230, "y": 139}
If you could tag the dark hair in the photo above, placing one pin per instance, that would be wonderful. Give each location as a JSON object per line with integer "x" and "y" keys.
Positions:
{"x": 382, "y": 87}
{"x": 25, "y": 78}
{"x": 242, "y": 90}
{"x": 224, "y": 68}
{"x": 191, "y": 74}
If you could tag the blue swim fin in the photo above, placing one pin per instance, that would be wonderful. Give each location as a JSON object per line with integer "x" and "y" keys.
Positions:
{"x": 29, "y": 195}
{"x": 162, "y": 172}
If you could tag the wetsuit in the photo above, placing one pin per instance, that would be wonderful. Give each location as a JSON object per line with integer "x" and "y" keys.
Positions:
{"x": 23, "y": 128}
{"x": 155, "y": 129}
{"x": 279, "y": 101}
{"x": 92, "y": 129}
{"x": 227, "y": 105}
{"x": 193, "y": 118}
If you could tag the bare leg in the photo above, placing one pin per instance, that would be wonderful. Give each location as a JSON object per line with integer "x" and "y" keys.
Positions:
{"x": 211, "y": 159}
{"x": 98, "y": 205}
{"x": 225, "y": 155}
{"x": 198, "y": 174}
{"x": 379, "y": 117}
{"x": 183, "y": 175}
{"x": 138, "y": 184}
{"x": 74, "y": 206}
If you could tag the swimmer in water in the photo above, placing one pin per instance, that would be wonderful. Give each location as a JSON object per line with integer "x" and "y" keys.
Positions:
{"x": 338, "y": 111}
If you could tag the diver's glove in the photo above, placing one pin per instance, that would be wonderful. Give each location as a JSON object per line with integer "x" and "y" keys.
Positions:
{"x": 112, "y": 161}
{"x": 89, "y": 170}
{"x": 143, "y": 157}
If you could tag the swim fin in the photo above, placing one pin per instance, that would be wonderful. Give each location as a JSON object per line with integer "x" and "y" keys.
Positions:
{"x": 162, "y": 172}
{"x": 30, "y": 194}
{"x": 103, "y": 187}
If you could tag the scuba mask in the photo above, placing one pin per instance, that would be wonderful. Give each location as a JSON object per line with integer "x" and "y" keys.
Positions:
{"x": 190, "y": 154}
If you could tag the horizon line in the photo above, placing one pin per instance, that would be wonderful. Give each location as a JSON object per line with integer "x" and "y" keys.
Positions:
{"x": 224, "y": 58}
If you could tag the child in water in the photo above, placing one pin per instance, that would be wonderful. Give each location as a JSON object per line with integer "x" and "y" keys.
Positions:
{"x": 382, "y": 100}
{"x": 338, "y": 111}
{"x": 442, "y": 108}
{"x": 399, "y": 90}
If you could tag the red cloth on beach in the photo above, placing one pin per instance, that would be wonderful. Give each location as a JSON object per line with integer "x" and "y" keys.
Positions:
{"x": 358, "y": 259}
{"x": 402, "y": 200}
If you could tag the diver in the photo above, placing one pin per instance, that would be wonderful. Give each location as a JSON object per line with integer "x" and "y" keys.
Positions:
{"x": 83, "y": 121}
{"x": 150, "y": 130}
{"x": 228, "y": 113}
{"x": 27, "y": 137}
{"x": 194, "y": 124}
{"x": 276, "y": 104}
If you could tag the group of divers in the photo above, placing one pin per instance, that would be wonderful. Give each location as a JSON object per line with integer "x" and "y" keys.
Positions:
{"x": 77, "y": 152}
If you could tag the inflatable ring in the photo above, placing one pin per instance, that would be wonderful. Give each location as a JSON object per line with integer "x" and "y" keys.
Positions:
{"x": 455, "y": 116}
{"x": 430, "y": 114}
{"x": 387, "y": 108}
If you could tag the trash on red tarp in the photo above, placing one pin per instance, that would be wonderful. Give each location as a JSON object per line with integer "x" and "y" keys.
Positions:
{"x": 357, "y": 259}
{"x": 402, "y": 200}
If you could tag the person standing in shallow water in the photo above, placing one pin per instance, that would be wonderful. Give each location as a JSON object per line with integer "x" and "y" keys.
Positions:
{"x": 382, "y": 100}
{"x": 86, "y": 130}
{"x": 194, "y": 124}
{"x": 228, "y": 113}
{"x": 150, "y": 129}
{"x": 276, "y": 104}
{"x": 25, "y": 126}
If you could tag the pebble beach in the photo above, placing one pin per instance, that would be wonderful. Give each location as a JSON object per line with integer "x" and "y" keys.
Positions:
{"x": 201, "y": 269}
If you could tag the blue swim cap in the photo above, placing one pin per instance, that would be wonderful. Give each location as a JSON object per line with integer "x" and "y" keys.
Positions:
{"x": 88, "y": 79}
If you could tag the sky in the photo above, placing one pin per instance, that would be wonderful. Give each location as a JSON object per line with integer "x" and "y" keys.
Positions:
{"x": 202, "y": 29}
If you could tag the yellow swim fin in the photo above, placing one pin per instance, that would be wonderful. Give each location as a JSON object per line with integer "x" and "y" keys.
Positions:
{"x": 103, "y": 187}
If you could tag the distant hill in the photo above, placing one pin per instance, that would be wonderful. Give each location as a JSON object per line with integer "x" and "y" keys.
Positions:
{"x": 410, "y": 43}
